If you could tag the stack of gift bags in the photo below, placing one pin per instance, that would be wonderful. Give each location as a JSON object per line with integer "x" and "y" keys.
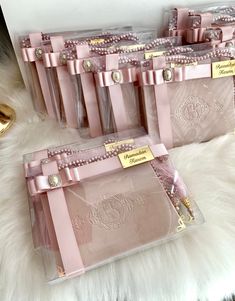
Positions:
{"x": 133, "y": 95}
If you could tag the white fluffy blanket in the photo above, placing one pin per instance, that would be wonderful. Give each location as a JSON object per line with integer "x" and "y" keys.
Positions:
{"x": 198, "y": 265}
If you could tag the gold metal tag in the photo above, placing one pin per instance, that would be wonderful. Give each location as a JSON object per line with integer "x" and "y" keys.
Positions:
{"x": 174, "y": 65}
{"x": 112, "y": 146}
{"x": 136, "y": 156}
{"x": 223, "y": 69}
{"x": 96, "y": 41}
{"x": 150, "y": 54}
{"x": 7, "y": 118}
{"x": 135, "y": 47}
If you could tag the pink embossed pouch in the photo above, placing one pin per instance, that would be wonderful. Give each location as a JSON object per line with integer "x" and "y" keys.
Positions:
{"x": 99, "y": 204}
{"x": 190, "y": 97}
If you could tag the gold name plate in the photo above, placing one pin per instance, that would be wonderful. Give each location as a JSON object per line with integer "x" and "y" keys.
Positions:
{"x": 175, "y": 65}
{"x": 149, "y": 55}
{"x": 132, "y": 47}
{"x": 96, "y": 41}
{"x": 223, "y": 69}
{"x": 136, "y": 156}
{"x": 112, "y": 146}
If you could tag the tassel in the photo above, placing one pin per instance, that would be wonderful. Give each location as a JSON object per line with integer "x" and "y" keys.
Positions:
{"x": 173, "y": 184}
{"x": 187, "y": 204}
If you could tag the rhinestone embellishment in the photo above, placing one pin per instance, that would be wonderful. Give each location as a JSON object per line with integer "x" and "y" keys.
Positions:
{"x": 63, "y": 58}
{"x": 229, "y": 44}
{"x": 116, "y": 76}
{"x": 87, "y": 65}
{"x": 45, "y": 161}
{"x": 38, "y": 53}
{"x": 167, "y": 74}
{"x": 54, "y": 181}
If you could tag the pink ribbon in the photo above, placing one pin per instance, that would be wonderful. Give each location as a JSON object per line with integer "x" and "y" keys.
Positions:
{"x": 155, "y": 77}
{"x": 69, "y": 250}
{"x": 89, "y": 89}
{"x": 73, "y": 175}
{"x": 127, "y": 75}
{"x": 195, "y": 35}
{"x": 51, "y": 60}
{"x": 29, "y": 54}
{"x": 76, "y": 66}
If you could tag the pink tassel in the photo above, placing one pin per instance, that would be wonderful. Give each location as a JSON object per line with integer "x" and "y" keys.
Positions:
{"x": 173, "y": 184}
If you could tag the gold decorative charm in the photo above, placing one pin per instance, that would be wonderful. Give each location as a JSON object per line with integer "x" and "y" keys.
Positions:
{"x": 187, "y": 219}
{"x": 167, "y": 74}
{"x": 45, "y": 161}
{"x": 63, "y": 58}
{"x": 7, "y": 118}
{"x": 116, "y": 76}
{"x": 186, "y": 202}
{"x": 54, "y": 181}
{"x": 38, "y": 53}
{"x": 87, "y": 65}
{"x": 229, "y": 44}
{"x": 181, "y": 225}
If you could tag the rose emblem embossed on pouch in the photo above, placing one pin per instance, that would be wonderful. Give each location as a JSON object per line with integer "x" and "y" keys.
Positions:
{"x": 193, "y": 109}
{"x": 112, "y": 212}
{"x": 78, "y": 222}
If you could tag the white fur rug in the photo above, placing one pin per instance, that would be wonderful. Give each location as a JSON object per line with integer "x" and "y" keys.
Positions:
{"x": 200, "y": 265}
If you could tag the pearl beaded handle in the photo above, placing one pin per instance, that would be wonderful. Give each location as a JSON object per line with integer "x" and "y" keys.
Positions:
{"x": 112, "y": 40}
{"x": 183, "y": 59}
{"x": 224, "y": 19}
{"x": 219, "y": 14}
{"x": 70, "y": 54}
{"x": 73, "y": 160}
{"x": 135, "y": 61}
{"x": 106, "y": 38}
{"x": 154, "y": 43}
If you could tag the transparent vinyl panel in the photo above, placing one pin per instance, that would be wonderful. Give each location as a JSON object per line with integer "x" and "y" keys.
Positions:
{"x": 111, "y": 122}
{"x": 55, "y": 93}
{"x": 35, "y": 89}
